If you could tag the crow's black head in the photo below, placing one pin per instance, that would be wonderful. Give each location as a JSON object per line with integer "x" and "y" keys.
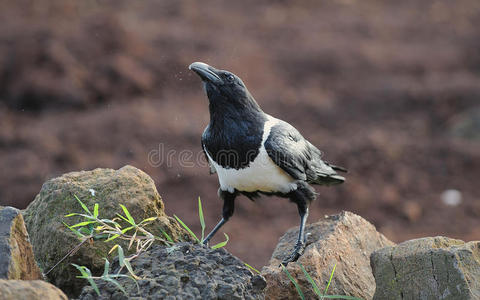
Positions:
{"x": 224, "y": 88}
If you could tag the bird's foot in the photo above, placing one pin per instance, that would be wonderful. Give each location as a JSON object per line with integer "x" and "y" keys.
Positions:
{"x": 295, "y": 255}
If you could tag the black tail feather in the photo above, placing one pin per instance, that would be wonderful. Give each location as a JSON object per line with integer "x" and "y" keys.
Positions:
{"x": 337, "y": 168}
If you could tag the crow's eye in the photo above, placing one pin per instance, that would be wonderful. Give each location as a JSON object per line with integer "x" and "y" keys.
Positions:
{"x": 230, "y": 78}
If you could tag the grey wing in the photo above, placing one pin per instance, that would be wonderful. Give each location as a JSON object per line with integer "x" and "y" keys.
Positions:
{"x": 298, "y": 157}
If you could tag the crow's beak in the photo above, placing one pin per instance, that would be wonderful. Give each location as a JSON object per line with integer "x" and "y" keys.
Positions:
{"x": 206, "y": 72}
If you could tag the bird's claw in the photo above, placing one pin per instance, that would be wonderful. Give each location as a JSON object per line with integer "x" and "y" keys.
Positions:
{"x": 295, "y": 255}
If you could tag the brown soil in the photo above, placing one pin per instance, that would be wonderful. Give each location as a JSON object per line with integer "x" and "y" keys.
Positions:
{"x": 382, "y": 87}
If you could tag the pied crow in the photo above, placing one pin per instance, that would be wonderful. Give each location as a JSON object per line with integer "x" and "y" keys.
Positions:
{"x": 254, "y": 153}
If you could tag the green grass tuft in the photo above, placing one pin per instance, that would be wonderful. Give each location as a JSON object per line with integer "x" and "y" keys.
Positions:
{"x": 314, "y": 285}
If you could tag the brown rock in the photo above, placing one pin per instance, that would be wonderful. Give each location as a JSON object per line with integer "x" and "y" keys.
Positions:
{"x": 29, "y": 289}
{"x": 346, "y": 240}
{"x": 16, "y": 255}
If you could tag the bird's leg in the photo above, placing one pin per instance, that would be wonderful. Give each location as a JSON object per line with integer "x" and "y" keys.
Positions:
{"x": 300, "y": 244}
{"x": 215, "y": 229}
{"x": 301, "y": 233}
{"x": 302, "y": 197}
{"x": 228, "y": 208}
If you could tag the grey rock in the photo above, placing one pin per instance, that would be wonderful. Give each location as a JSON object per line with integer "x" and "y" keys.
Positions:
{"x": 16, "y": 255}
{"x": 346, "y": 240}
{"x": 175, "y": 273}
{"x": 428, "y": 268}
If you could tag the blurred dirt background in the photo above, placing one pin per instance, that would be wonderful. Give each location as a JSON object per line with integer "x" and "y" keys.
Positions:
{"x": 389, "y": 89}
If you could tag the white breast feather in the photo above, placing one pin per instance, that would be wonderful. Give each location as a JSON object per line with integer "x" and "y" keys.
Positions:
{"x": 261, "y": 175}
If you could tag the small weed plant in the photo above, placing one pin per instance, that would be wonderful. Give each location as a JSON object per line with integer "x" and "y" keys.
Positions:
{"x": 315, "y": 286}
{"x": 123, "y": 227}
{"x": 202, "y": 224}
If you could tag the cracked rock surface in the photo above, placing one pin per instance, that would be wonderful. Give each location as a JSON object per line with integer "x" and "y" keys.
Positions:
{"x": 428, "y": 268}
{"x": 185, "y": 271}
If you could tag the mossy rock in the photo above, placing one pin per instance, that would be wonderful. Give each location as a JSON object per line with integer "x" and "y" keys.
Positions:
{"x": 51, "y": 239}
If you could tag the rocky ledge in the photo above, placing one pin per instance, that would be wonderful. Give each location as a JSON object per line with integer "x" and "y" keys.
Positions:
{"x": 368, "y": 265}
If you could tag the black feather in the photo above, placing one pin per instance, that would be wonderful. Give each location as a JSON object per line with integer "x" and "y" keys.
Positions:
{"x": 337, "y": 168}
